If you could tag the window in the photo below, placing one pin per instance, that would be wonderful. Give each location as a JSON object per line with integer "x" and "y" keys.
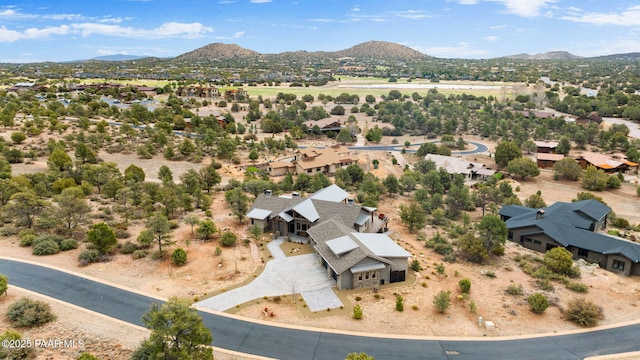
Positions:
{"x": 510, "y": 235}
{"x": 360, "y": 277}
{"x": 537, "y": 242}
{"x": 373, "y": 274}
{"x": 618, "y": 265}
{"x": 309, "y": 171}
{"x": 583, "y": 252}
{"x": 528, "y": 239}
{"x": 366, "y": 276}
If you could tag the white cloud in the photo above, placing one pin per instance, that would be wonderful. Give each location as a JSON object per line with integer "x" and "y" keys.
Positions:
{"x": 412, "y": 14}
{"x": 492, "y": 38}
{"x": 525, "y": 8}
{"x": 498, "y": 27}
{"x": 620, "y": 45}
{"x": 67, "y": 17}
{"x": 628, "y": 17}
{"x": 166, "y": 30}
{"x": 468, "y": 2}
{"x": 237, "y": 35}
{"x": 260, "y": 1}
{"x": 356, "y": 8}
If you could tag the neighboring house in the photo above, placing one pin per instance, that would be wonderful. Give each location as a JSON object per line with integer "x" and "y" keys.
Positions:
{"x": 546, "y": 147}
{"x": 593, "y": 118}
{"x": 198, "y": 91}
{"x": 23, "y": 87}
{"x": 608, "y": 163}
{"x": 546, "y": 160}
{"x": 572, "y": 226}
{"x": 537, "y": 114}
{"x": 235, "y": 94}
{"x": 358, "y": 260}
{"x": 315, "y": 160}
{"x": 279, "y": 168}
{"x": 293, "y": 216}
{"x": 328, "y": 124}
{"x": 458, "y": 165}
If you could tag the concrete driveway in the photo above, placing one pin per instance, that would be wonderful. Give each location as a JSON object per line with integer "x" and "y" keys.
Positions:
{"x": 283, "y": 275}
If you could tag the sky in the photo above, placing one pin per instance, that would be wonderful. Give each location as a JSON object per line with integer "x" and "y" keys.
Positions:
{"x": 67, "y": 30}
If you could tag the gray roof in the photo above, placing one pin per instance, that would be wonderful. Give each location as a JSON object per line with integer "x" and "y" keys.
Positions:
{"x": 367, "y": 267}
{"x": 332, "y": 193}
{"x": 259, "y": 214}
{"x": 370, "y": 249}
{"x": 381, "y": 245}
{"x": 341, "y": 245}
{"x": 569, "y": 224}
{"x": 307, "y": 210}
{"x": 362, "y": 218}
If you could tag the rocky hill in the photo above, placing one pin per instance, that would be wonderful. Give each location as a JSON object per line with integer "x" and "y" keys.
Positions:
{"x": 218, "y": 51}
{"x": 551, "y": 55}
{"x": 368, "y": 50}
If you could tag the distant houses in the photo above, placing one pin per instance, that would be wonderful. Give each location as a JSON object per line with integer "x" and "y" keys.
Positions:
{"x": 458, "y": 165}
{"x": 611, "y": 163}
{"x": 311, "y": 161}
{"x": 575, "y": 227}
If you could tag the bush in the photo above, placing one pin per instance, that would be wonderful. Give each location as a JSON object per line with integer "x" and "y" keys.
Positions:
{"x": 27, "y": 240}
{"x": 621, "y": 223}
{"x": 228, "y": 238}
{"x": 538, "y": 303}
{"x": 68, "y": 244}
{"x": 357, "y": 312}
{"x": 88, "y": 256}
{"x": 128, "y": 248}
{"x": 87, "y": 356}
{"x": 583, "y": 312}
{"x": 179, "y": 257}
{"x": 577, "y": 287}
{"x": 27, "y": 313}
{"x": 46, "y": 247}
{"x": 139, "y": 254}
{"x": 15, "y": 353}
{"x": 465, "y": 285}
{"x": 559, "y": 260}
{"x": 442, "y": 301}
{"x": 415, "y": 266}
{"x": 514, "y": 289}
{"x": 399, "y": 303}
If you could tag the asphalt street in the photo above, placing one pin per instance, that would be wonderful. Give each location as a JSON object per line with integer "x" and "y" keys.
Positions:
{"x": 283, "y": 343}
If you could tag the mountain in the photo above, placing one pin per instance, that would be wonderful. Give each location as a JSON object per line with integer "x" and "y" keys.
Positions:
{"x": 117, "y": 57}
{"x": 218, "y": 51}
{"x": 367, "y": 50}
{"x": 381, "y": 50}
{"x": 551, "y": 55}
{"x": 626, "y": 56}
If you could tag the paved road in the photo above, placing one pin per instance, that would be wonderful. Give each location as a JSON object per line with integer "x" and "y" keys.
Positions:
{"x": 479, "y": 148}
{"x": 282, "y": 343}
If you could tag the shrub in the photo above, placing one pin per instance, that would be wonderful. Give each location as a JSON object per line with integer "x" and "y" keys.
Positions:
{"x": 46, "y": 247}
{"x": 399, "y": 303}
{"x": 357, "y": 312}
{"x": 128, "y": 248}
{"x": 442, "y": 301}
{"x": 27, "y": 240}
{"x": 26, "y": 313}
{"x": 87, "y": 356}
{"x": 68, "y": 244}
{"x": 583, "y": 313}
{"x": 228, "y": 238}
{"x": 415, "y": 266}
{"x": 88, "y": 256}
{"x": 48, "y": 237}
{"x": 577, "y": 287}
{"x": 514, "y": 289}
{"x": 490, "y": 274}
{"x": 139, "y": 254}
{"x": 465, "y": 285}
{"x": 26, "y": 352}
{"x": 559, "y": 260}
{"x": 122, "y": 234}
{"x": 538, "y": 303}
{"x": 179, "y": 257}
{"x": 440, "y": 268}
{"x": 621, "y": 223}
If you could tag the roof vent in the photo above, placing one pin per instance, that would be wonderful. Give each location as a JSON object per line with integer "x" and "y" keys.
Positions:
{"x": 295, "y": 194}
{"x": 350, "y": 202}
{"x": 268, "y": 192}
{"x": 540, "y": 214}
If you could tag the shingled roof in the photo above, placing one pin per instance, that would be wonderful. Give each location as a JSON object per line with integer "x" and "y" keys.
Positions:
{"x": 569, "y": 224}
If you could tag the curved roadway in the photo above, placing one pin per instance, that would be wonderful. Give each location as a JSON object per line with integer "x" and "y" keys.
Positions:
{"x": 479, "y": 148}
{"x": 284, "y": 343}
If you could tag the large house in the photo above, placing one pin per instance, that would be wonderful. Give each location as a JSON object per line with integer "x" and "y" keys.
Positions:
{"x": 573, "y": 226}
{"x": 347, "y": 237}
{"x": 294, "y": 215}
{"x": 355, "y": 259}
{"x": 458, "y": 165}
{"x": 608, "y": 163}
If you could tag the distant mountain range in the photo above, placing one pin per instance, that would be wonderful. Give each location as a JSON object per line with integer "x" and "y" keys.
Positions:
{"x": 370, "y": 50}
{"x": 118, "y": 57}
{"x": 551, "y": 55}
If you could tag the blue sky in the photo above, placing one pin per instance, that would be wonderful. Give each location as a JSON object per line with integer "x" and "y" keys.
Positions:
{"x": 62, "y": 30}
